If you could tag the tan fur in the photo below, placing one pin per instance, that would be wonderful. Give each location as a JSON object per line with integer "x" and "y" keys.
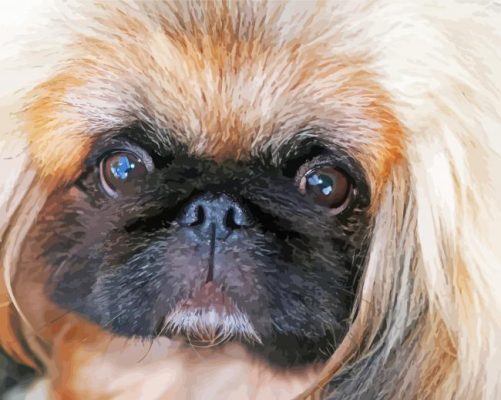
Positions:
{"x": 207, "y": 88}
{"x": 119, "y": 369}
{"x": 411, "y": 89}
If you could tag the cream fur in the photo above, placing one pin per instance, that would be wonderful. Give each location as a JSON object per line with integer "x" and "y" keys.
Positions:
{"x": 435, "y": 265}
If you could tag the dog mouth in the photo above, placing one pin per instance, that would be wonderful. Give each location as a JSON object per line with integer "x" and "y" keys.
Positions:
{"x": 210, "y": 297}
{"x": 209, "y": 317}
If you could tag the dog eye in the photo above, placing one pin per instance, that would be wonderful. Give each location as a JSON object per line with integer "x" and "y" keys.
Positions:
{"x": 327, "y": 186}
{"x": 120, "y": 170}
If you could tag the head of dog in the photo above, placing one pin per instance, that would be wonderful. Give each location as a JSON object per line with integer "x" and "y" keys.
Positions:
{"x": 222, "y": 173}
{"x": 211, "y": 186}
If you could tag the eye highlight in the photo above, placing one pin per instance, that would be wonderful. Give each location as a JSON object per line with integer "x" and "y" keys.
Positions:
{"x": 120, "y": 171}
{"x": 327, "y": 186}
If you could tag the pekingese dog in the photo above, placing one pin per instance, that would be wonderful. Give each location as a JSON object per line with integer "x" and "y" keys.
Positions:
{"x": 252, "y": 200}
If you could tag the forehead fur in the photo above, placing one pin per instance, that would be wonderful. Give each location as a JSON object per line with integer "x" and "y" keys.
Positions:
{"x": 228, "y": 79}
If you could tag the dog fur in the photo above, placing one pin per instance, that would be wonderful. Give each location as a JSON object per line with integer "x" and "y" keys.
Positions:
{"x": 411, "y": 88}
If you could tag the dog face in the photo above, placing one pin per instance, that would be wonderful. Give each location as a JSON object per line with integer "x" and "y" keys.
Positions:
{"x": 207, "y": 209}
{"x": 206, "y": 176}
{"x": 276, "y": 175}
{"x": 152, "y": 240}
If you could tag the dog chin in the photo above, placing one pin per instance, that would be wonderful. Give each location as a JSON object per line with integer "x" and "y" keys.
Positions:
{"x": 209, "y": 318}
{"x": 208, "y": 326}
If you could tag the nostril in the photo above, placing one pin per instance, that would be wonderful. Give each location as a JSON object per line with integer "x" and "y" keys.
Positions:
{"x": 193, "y": 215}
{"x": 237, "y": 218}
{"x": 230, "y": 220}
{"x": 200, "y": 215}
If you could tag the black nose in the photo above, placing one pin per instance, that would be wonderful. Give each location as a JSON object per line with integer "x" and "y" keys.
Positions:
{"x": 216, "y": 214}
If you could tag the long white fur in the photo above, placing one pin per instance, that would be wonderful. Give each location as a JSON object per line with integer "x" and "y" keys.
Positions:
{"x": 211, "y": 328}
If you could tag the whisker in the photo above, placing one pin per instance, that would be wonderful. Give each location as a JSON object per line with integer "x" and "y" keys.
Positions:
{"x": 114, "y": 318}
{"x": 147, "y": 352}
{"x": 52, "y": 321}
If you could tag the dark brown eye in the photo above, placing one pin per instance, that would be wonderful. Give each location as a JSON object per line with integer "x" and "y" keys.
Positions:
{"x": 327, "y": 186}
{"x": 120, "y": 170}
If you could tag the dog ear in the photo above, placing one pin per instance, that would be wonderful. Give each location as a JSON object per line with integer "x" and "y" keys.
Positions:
{"x": 15, "y": 179}
{"x": 452, "y": 155}
{"x": 11, "y": 337}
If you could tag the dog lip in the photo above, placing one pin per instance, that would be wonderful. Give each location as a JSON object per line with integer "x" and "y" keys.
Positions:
{"x": 210, "y": 296}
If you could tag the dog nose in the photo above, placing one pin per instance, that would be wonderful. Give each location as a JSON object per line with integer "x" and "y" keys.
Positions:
{"x": 215, "y": 214}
